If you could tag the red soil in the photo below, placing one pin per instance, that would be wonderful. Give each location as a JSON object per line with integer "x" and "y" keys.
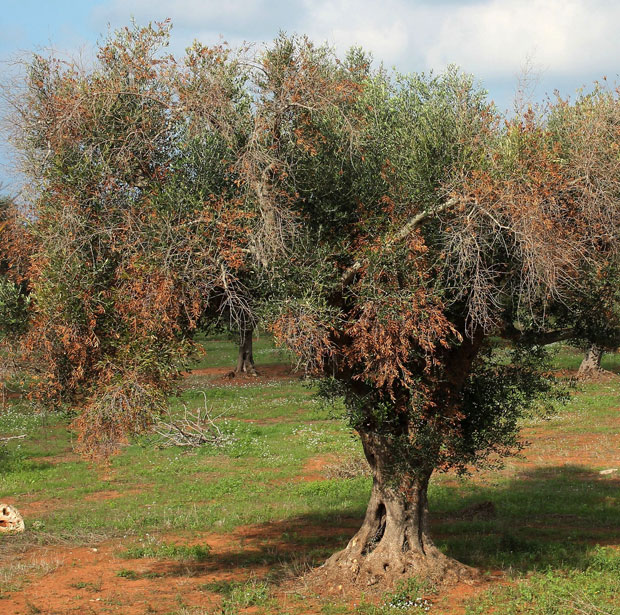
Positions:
{"x": 266, "y": 373}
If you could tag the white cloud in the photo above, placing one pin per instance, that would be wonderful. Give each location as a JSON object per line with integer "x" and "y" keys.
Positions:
{"x": 346, "y": 23}
{"x": 495, "y": 37}
{"x": 488, "y": 37}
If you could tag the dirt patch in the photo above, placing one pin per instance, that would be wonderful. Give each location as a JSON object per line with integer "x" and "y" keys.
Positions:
{"x": 94, "y": 580}
{"x": 454, "y": 599}
{"x": 585, "y": 449}
{"x": 224, "y": 376}
{"x": 100, "y": 496}
{"x": 57, "y": 459}
{"x": 35, "y": 508}
{"x": 600, "y": 377}
{"x": 97, "y": 580}
{"x": 314, "y": 468}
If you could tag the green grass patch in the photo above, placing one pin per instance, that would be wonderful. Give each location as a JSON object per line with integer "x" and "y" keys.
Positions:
{"x": 154, "y": 548}
{"x": 126, "y": 573}
{"x": 236, "y": 595}
{"x": 594, "y": 590}
{"x": 222, "y": 351}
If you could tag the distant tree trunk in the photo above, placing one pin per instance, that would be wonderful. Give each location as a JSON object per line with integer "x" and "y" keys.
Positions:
{"x": 591, "y": 363}
{"x": 245, "y": 360}
{"x": 394, "y": 541}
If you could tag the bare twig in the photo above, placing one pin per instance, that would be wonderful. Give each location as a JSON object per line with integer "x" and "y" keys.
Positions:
{"x": 6, "y": 439}
{"x": 193, "y": 429}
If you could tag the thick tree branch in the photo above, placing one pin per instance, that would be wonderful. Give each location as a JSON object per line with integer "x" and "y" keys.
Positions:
{"x": 403, "y": 233}
{"x": 539, "y": 337}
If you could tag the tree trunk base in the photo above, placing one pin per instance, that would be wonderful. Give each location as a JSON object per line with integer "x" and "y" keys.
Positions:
{"x": 246, "y": 369}
{"x": 245, "y": 360}
{"x": 590, "y": 368}
{"x": 393, "y": 543}
{"x": 354, "y": 570}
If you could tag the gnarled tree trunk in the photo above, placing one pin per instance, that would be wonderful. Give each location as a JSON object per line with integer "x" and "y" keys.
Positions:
{"x": 591, "y": 364}
{"x": 394, "y": 541}
{"x": 245, "y": 360}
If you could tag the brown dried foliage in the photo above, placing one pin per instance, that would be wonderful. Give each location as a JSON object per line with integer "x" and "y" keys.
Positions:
{"x": 517, "y": 232}
{"x": 128, "y": 259}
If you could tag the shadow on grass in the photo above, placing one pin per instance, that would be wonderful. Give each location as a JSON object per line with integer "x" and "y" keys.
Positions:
{"x": 545, "y": 517}
{"x": 548, "y": 517}
{"x": 277, "y": 550}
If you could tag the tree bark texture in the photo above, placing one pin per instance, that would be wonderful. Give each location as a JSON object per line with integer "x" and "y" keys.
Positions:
{"x": 245, "y": 360}
{"x": 393, "y": 542}
{"x": 591, "y": 363}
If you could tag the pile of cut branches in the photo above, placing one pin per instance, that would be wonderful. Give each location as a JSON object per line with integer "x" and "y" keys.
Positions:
{"x": 193, "y": 429}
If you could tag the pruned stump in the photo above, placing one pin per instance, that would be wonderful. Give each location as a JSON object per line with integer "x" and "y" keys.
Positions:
{"x": 10, "y": 520}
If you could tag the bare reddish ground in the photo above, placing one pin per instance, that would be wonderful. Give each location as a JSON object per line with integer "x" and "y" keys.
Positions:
{"x": 34, "y": 508}
{"x": 602, "y": 376}
{"x": 56, "y": 459}
{"x": 86, "y": 581}
{"x": 266, "y": 373}
{"x": 314, "y": 468}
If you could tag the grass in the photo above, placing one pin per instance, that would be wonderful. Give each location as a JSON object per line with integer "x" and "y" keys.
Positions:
{"x": 236, "y": 595}
{"x": 90, "y": 586}
{"x": 17, "y": 576}
{"x": 591, "y": 591}
{"x": 570, "y": 358}
{"x": 551, "y": 512}
{"x": 223, "y": 352}
{"x": 152, "y": 547}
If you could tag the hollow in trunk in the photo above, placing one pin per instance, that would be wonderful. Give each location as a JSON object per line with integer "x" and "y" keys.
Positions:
{"x": 394, "y": 541}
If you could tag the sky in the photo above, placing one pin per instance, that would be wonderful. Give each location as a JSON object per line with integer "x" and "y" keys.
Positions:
{"x": 567, "y": 44}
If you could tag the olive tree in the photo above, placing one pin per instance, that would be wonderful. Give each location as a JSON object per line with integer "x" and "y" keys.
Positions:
{"x": 16, "y": 246}
{"x": 442, "y": 229}
{"x": 399, "y": 224}
{"x": 586, "y": 132}
{"x": 161, "y": 190}
{"x": 136, "y": 222}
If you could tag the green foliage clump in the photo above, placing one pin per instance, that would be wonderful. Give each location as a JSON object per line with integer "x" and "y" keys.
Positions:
{"x": 13, "y": 308}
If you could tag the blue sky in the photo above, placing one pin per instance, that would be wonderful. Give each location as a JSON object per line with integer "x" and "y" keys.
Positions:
{"x": 567, "y": 43}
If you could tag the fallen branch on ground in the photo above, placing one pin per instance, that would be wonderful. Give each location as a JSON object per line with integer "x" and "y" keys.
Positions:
{"x": 193, "y": 429}
{"x": 6, "y": 439}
